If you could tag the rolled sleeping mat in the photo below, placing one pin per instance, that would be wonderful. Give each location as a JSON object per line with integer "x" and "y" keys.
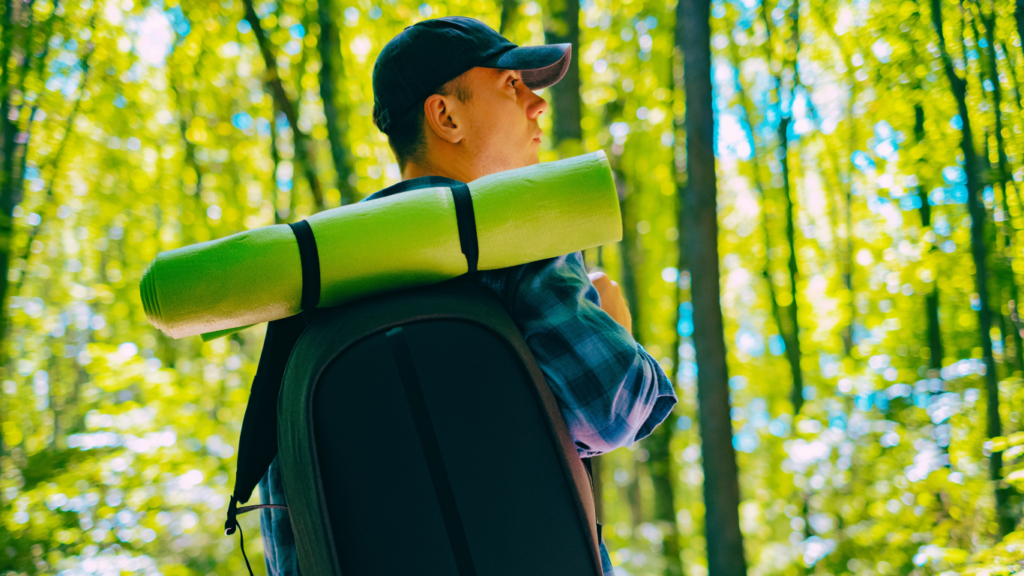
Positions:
{"x": 415, "y": 238}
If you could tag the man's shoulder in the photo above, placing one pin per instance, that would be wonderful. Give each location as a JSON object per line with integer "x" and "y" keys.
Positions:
{"x": 541, "y": 271}
{"x": 535, "y": 283}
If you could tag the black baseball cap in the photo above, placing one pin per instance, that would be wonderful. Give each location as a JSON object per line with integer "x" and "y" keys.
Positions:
{"x": 426, "y": 55}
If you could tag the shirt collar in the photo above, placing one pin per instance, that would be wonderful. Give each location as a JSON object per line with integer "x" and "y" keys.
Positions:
{"x": 412, "y": 184}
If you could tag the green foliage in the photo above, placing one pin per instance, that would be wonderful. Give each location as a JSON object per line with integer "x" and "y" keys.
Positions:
{"x": 154, "y": 129}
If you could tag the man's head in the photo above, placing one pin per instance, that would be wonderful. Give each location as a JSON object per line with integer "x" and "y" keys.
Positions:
{"x": 456, "y": 99}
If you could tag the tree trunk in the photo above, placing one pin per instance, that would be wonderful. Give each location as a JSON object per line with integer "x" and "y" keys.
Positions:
{"x": 563, "y": 26}
{"x": 18, "y": 17}
{"x": 1019, "y": 13}
{"x": 332, "y": 67}
{"x": 303, "y": 154}
{"x": 1004, "y": 182}
{"x": 275, "y": 156}
{"x": 787, "y": 316}
{"x": 931, "y": 300}
{"x": 509, "y": 13}
{"x": 630, "y": 256}
{"x": 976, "y": 209}
{"x": 792, "y": 347}
{"x": 721, "y": 480}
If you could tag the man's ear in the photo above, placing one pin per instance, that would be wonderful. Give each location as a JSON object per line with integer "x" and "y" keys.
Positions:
{"x": 443, "y": 114}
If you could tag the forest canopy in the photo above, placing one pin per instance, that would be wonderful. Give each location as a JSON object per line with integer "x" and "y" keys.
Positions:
{"x": 868, "y": 160}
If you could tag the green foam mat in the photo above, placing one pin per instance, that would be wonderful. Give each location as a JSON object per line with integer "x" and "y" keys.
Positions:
{"x": 399, "y": 241}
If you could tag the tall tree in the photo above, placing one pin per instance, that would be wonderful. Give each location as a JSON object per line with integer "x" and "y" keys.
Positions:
{"x": 1004, "y": 182}
{"x": 721, "y": 479}
{"x": 828, "y": 25}
{"x": 784, "y": 95}
{"x": 303, "y": 153}
{"x": 509, "y": 12}
{"x": 562, "y": 26}
{"x": 756, "y": 179}
{"x": 1019, "y": 13}
{"x": 931, "y": 299}
{"x": 332, "y": 68}
{"x": 661, "y": 465}
{"x": 979, "y": 215}
{"x": 29, "y": 46}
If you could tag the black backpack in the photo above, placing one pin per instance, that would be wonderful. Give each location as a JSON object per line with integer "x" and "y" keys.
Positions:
{"x": 417, "y": 435}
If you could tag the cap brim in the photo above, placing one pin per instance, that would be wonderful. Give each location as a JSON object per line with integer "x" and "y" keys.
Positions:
{"x": 541, "y": 66}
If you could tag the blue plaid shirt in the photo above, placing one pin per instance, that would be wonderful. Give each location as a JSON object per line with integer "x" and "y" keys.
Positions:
{"x": 611, "y": 392}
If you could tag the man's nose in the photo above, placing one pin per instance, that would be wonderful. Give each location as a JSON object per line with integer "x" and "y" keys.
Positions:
{"x": 536, "y": 106}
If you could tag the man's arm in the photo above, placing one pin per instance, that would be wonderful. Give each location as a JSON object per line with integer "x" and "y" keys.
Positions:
{"x": 611, "y": 392}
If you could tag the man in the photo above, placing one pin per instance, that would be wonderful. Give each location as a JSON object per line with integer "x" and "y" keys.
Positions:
{"x": 456, "y": 100}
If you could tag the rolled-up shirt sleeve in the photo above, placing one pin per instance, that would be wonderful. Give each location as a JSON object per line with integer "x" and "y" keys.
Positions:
{"x": 610, "y": 390}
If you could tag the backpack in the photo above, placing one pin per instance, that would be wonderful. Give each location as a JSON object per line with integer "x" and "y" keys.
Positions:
{"x": 417, "y": 435}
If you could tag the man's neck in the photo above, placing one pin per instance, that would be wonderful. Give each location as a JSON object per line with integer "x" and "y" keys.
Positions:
{"x": 448, "y": 170}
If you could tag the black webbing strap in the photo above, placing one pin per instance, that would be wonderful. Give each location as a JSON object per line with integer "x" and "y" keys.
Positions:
{"x": 589, "y": 465}
{"x": 431, "y": 452}
{"x": 310, "y": 259}
{"x": 466, "y": 220}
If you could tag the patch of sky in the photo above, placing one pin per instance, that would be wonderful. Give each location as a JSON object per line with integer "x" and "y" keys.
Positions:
{"x": 910, "y": 202}
{"x": 154, "y": 35}
{"x": 882, "y": 50}
{"x": 180, "y": 24}
{"x": 876, "y": 203}
{"x": 120, "y": 101}
{"x": 746, "y": 441}
{"x": 732, "y": 135}
{"x": 374, "y": 12}
{"x": 778, "y": 428}
{"x": 862, "y": 161}
{"x": 956, "y": 123}
{"x": 619, "y": 131}
{"x": 886, "y": 141}
{"x": 750, "y": 342}
{"x": 776, "y": 345}
{"x": 242, "y": 121}
{"x": 954, "y": 175}
{"x": 297, "y": 31}
{"x": 685, "y": 327}
{"x": 837, "y": 419}
{"x": 243, "y": 27}
{"x": 803, "y": 114}
{"x": 262, "y": 126}
{"x": 264, "y": 9}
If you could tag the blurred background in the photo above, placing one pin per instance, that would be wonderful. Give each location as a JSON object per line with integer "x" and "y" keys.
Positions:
{"x": 869, "y": 167}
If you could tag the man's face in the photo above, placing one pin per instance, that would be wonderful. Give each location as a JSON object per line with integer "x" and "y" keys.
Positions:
{"x": 502, "y": 131}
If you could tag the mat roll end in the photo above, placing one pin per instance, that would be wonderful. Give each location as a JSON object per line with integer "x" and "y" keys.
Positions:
{"x": 150, "y": 303}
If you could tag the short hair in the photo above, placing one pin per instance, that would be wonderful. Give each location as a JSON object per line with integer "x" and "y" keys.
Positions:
{"x": 406, "y": 134}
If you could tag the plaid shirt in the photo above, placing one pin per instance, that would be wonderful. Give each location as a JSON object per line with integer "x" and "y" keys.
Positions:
{"x": 610, "y": 391}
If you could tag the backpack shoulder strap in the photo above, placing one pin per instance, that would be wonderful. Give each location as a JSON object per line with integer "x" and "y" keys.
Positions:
{"x": 257, "y": 444}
